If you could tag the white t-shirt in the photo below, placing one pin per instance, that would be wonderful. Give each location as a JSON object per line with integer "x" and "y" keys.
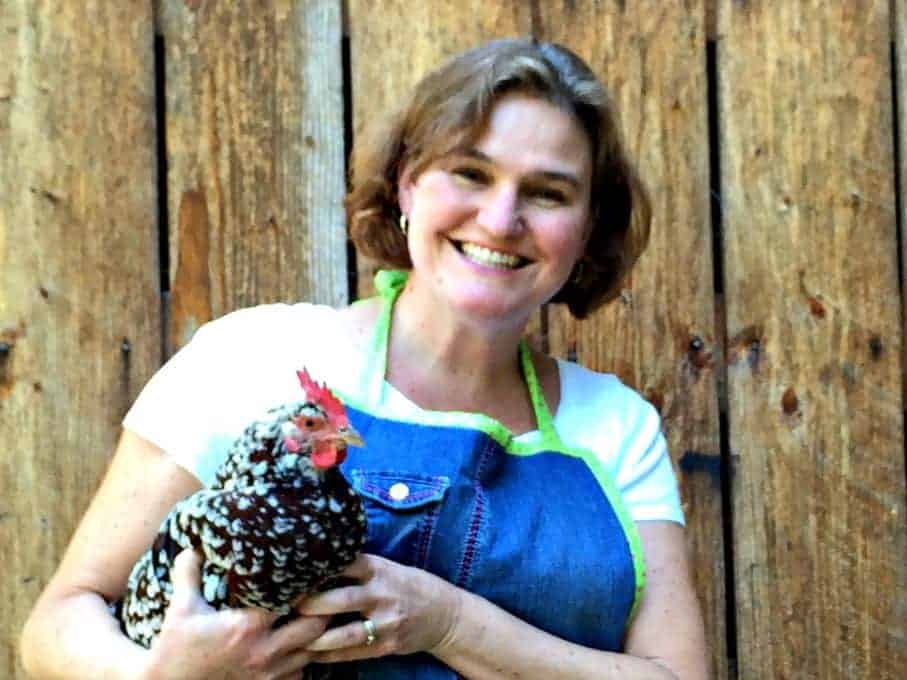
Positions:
{"x": 237, "y": 367}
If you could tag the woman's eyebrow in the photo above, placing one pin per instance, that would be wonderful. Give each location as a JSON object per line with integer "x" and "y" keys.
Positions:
{"x": 475, "y": 154}
{"x": 549, "y": 175}
{"x": 564, "y": 177}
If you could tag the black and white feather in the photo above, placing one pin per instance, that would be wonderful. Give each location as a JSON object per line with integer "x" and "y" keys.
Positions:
{"x": 271, "y": 528}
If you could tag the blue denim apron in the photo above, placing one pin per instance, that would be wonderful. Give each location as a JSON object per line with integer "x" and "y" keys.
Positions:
{"x": 536, "y": 528}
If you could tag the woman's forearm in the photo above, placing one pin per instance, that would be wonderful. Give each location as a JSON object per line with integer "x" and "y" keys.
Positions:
{"x": 488, "y": 642}
{"x": 75, "y": 637}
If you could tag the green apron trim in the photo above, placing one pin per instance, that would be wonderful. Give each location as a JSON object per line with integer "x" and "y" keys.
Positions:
{"x": 389, "y": 285}
{"x": 543, "y": 419}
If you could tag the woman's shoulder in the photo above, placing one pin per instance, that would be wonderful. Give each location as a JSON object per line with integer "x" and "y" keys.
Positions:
{"x": 609, "y": 418}
{"x": 354, "y": 320}
{"x": 279, "y": 319}
{"x": 602, "y": 393}
{"x": 269, "y": 342}
{"x": 272, "y": 330}
{"x": 235, "y": 368}
{"x": 600, "y": 413}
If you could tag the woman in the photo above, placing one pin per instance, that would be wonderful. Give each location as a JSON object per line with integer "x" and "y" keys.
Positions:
{"x": 500, "y": 187}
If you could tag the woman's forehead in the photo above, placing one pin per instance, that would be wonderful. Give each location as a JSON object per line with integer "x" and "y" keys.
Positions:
{"x": 513, "y": 119}
{"x": 532, "y": 131}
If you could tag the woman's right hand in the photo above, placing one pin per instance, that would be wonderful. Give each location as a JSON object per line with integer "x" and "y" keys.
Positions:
{"x": 197, "y": 642}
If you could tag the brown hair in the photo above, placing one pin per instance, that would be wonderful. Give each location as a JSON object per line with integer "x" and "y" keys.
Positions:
{"x": 449, "y": 109}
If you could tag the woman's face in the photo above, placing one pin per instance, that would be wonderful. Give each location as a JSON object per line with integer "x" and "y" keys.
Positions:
{"x": 496, "y": 229}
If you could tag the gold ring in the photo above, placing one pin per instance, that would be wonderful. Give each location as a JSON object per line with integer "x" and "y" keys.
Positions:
{"x": 370, "y": 635}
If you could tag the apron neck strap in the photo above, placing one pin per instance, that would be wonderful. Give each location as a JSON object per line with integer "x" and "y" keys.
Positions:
{"x": 389, "y": 285}
{"x": 543, "y": 418}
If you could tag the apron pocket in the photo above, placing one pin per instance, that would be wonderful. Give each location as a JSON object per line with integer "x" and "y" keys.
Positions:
{"x": 402, "y": 509}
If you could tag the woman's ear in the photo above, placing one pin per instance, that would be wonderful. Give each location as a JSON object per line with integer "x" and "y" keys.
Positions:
{"x": 405, "y": 189}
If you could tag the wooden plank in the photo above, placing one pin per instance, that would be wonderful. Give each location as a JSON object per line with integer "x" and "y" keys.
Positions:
{"x": 814, "y": 349}
{"x": 255, "y": 156}
{"x": 394, "y": 46}
{"x": 899, "y": 36}
{"x": 711, "y": 19}
{"x": 659, "y": 335}
{"x": 79, "y": 303}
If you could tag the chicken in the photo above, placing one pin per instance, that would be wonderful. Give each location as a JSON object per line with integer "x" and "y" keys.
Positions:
{"x": 278, "y": 521}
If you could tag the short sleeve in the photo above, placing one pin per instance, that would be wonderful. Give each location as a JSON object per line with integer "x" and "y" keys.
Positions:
{"x": 181, "y": 409}
{"x": 600, "y": 414}
{"x": 644, "y": 473}
{"x": 231, "y": 371}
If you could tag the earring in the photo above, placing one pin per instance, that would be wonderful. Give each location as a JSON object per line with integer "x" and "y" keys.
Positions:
{"x": 404, "y": 223}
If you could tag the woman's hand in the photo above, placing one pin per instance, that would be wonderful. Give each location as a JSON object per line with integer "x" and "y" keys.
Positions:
{"x": 198, "y": 642}
{"x": 411, "y": 609}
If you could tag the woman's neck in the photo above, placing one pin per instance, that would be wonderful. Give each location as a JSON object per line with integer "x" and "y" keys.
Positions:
{"x": 442, "y": 362}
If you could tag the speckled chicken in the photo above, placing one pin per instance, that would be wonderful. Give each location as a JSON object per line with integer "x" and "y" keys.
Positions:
{"x": 279, "y": 520}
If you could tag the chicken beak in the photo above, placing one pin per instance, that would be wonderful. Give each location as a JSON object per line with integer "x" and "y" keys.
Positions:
{"x": 350, "y": 437}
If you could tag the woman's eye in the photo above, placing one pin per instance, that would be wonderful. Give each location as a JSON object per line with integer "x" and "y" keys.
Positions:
{"x": 470, "y": 175}
{"x": 548, "y": 196}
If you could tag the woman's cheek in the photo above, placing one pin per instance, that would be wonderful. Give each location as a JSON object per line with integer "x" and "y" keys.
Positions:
{"x": 434, "y": 194}
{"x": 564, "y": 231}
{"x": 448, "y": 206}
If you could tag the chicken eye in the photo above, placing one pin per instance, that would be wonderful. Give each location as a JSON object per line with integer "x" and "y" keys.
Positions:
{"x": 309, "y": 423}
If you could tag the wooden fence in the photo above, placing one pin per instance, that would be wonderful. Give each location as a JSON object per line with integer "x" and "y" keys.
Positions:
{"x": 164, "y": 163}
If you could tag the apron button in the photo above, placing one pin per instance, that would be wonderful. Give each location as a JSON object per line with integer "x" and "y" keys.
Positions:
{"x": 399, "y": 491}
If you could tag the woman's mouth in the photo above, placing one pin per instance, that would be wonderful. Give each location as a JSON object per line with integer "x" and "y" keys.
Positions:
{"x": 489, "y": 258}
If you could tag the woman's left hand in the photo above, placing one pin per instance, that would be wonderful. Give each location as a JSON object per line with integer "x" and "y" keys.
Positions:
{"x": 411, "y": 610}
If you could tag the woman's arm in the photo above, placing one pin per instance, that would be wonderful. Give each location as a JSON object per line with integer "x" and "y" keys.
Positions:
{"x": 668, "y": 627}
{"x": 665, "y": 639}
{"x": 416, "y": 611}
{"x": 70, "y": 632}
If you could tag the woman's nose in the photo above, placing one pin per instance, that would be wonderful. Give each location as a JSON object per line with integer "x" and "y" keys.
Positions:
{"x": 500, "y": 212}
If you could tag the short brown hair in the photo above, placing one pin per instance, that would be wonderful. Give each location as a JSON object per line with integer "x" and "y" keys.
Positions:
{"x": 449, "y": 109}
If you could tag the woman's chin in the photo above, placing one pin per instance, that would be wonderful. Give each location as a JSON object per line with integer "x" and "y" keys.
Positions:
{"x": 494, "y": 310}
{"x": 483, "y": 300}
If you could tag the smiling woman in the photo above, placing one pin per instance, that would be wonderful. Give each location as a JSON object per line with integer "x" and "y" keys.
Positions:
{"x": 496, "y": 229}
{"x": 452, "y": 108}
{"x": 496, "y": 481}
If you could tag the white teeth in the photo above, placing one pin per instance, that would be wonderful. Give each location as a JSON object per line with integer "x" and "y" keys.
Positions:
{"x": 489, "y": 257}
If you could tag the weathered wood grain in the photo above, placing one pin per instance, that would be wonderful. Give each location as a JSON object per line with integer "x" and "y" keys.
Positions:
{"x": 255, "y": 156}
{"x": 79, "y": 306}
{"x": 395, "y": 43}
{"x": 255, "y": 144}
{"x": 659, "y": 335}
{"x": 899, "y": 36}
{"x": 814, "y": 348}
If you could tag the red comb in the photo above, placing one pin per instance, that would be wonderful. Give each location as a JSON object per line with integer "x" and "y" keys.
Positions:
{"x": 322, "y": 396}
